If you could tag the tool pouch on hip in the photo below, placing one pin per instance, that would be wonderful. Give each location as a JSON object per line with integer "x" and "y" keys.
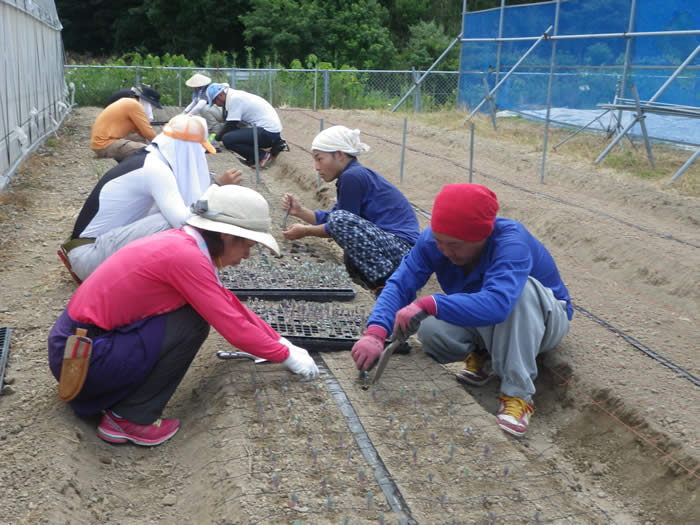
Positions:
{"x": 76, "y": 359}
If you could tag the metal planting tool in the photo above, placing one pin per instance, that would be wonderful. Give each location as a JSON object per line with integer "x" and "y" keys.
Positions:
{"x": 224, "y": 354}
{"x": 384, "y": 359}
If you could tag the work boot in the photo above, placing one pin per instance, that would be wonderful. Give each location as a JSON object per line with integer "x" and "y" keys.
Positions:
{"x": 115, "y": 429}
{"x": 514, "y": 415}
{"x": 477, "y": 367}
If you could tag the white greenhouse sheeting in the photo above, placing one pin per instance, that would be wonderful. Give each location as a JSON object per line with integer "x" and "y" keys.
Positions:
{"x": 33, "y": 92}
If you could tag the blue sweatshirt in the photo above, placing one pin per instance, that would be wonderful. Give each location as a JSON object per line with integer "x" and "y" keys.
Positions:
{"x": 485, "y": 296}
{"x": 369, "y": 195}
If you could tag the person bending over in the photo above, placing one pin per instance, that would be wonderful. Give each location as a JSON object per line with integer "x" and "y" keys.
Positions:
{"x": 245, "y": 109}
{"x": 149, "y": 192}
{"x": 124, "y": 126}
{"x": 371, "y": 221}
{"x": 503, "y": 302}
{"x": 149, "y": 307}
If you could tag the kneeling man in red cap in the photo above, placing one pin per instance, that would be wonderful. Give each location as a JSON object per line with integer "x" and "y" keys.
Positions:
{"x": 504, "y": 301}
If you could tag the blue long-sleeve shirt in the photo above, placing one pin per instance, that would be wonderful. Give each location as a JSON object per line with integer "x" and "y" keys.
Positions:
{"x": 369, "y": 195}
{"x": 484, "y": 297}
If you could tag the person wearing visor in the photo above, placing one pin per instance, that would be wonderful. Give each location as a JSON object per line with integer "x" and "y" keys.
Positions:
{"x": 504, "y": 301}
{"x": 149, "y": 307}
{"x": 199, "y": 105}
{"x": 371, "y": 221}
{"x": 242, "y": 111}
{"x": 149, "y": 192}
{"x": 124, "y": 126}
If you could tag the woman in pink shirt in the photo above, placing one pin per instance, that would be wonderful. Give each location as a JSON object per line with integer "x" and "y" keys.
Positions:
{"x": 148, "y": 309}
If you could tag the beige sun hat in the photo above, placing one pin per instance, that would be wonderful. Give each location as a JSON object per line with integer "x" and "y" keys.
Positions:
{"x": 198, "y": 80}
{"x": 235, "y": 210}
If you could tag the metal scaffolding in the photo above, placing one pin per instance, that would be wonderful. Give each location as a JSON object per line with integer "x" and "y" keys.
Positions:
{"x": 620, "y": 105}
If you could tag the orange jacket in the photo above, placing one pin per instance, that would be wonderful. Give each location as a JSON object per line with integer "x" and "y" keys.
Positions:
{"x": 117, "y": 120}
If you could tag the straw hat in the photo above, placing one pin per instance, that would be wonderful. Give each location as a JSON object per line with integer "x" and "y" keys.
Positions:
{"x": 198, "y": 80}
{"x": 189, "y": 128}
{"x": 235, "y": 210}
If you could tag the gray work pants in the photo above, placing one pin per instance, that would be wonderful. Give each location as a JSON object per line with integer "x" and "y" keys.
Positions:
{"x": 537, "y": 324}
{"x": 86, "y": 258}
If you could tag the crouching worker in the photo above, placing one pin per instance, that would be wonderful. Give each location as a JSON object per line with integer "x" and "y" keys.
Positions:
{"x": 372, "y": 221}
{"x": 149, "y": 192}
{"x": 148, "y": 308}
{"x": 503, "y": 303}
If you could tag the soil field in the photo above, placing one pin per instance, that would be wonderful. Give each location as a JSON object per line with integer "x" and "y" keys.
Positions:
{"x": 614, "y": 438}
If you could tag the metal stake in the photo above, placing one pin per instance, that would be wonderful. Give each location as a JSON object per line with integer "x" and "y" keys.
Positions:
{"x": 403, "y": 149}
{"x": 471, "y": 152}
{"x": 257, "y": 154}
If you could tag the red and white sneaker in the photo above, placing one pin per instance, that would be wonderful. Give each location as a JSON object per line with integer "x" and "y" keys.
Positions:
{"x": 477, "y": 369}
{"x": 265, "y": 160}
{"x": 514, "y": 415}
{"x": 115, "y": 429}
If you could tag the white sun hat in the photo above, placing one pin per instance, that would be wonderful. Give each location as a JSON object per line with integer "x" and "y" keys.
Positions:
{"x": 235, "y": 210}
{"x": 198, "y": 80}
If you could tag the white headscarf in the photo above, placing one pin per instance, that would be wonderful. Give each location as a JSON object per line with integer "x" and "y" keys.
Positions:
{"x": 340, "y": 138}
{"x": 189, "y": 165}
{"x": 147, "y": 108}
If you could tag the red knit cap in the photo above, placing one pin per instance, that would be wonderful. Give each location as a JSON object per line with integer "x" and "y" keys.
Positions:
{"x": 464, "y": 211}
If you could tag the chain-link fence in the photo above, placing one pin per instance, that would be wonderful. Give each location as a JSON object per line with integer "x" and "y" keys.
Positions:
{"x": 308, "y": 88}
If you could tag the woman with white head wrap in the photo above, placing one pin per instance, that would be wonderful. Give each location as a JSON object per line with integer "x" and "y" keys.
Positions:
{"x": 372, "y": 221}
{"x": 150, "y": 191}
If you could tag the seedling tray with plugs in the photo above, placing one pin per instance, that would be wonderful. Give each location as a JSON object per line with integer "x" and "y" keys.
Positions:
{"x": 318, "y": 327}
{"x": 288, "y": 277}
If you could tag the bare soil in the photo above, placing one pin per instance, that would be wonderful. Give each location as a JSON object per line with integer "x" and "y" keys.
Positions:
{"x": 614, "y": 438}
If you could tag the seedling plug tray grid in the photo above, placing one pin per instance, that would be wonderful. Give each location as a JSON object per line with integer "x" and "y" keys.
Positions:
{"x": 269, "y": 277}
{"x": 315, "y": 326}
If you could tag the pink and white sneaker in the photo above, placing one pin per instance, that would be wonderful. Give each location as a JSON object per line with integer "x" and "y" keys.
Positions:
{"x": 514, "y": 415}
{"x": 115, "y": 429}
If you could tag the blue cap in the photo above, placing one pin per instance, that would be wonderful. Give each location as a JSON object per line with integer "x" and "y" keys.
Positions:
{"x": 213, "y": 91}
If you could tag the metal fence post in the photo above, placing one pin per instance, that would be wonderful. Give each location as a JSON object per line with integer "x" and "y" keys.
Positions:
{"x": 315, "y": 85}
{"x": 549, "y": 93}
{"x": 319, "y": 175}
{"x": 403, "y": 149}
{"x": 269, "y": 73}
{"x": 326, "y": 88}
{"x": 416, "y": 92}
{"x": 232, "y": 77}
{"x": 179, "y": 88}
{"x": 471, "y": 152}
{"x": 257, "y": 154}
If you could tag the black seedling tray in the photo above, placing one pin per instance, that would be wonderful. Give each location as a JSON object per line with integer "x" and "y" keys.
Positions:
{"x": 322, "y": 344}
{"x": 307, "y": 294}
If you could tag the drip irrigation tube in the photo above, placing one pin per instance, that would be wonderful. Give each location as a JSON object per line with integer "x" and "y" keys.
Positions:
{"x": 639, "y": 346}
{"x": 631, "y": 340}
{"x": 386, "y": 483}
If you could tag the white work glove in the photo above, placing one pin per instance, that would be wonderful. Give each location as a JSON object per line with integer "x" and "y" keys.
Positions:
{"x": 299, "y": 361}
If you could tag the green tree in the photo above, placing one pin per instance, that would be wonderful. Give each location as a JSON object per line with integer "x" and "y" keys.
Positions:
{"x": 426, "y": 43}
{"x": 353, "y": 33}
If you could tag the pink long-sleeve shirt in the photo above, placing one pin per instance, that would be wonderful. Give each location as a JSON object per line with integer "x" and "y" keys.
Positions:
{"x": 161, "y": 273}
